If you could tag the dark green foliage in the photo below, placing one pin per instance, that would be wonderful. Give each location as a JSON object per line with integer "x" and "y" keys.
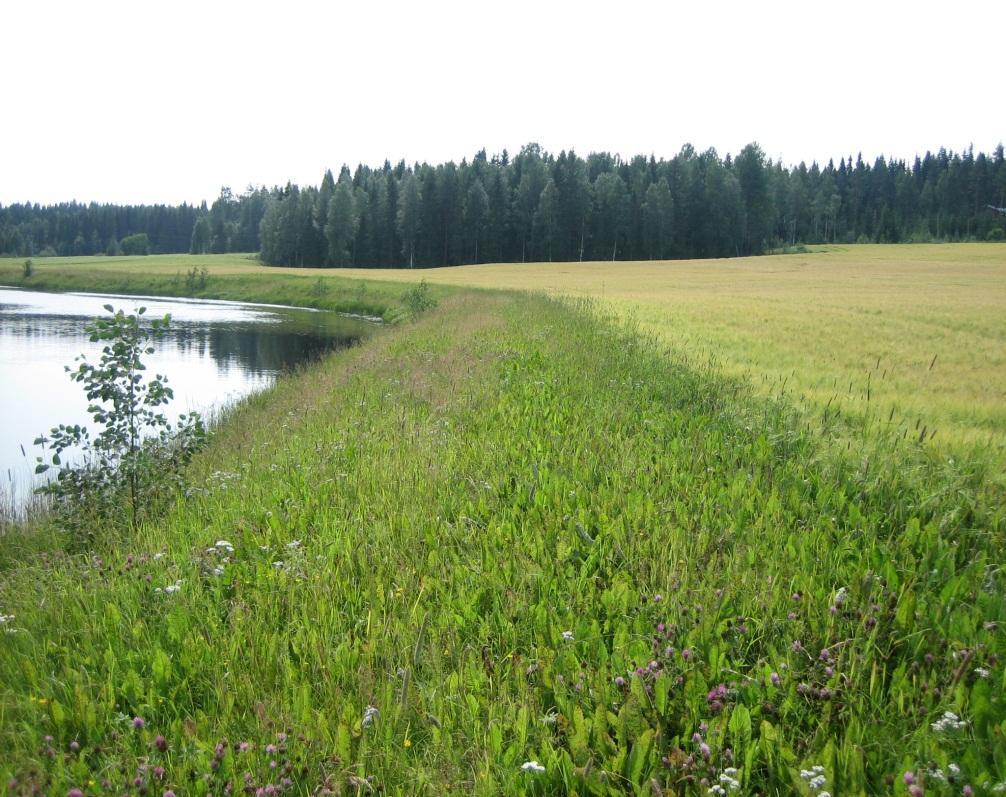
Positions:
{"x": 138, "y": 244}
{"x": 343, "y": 220}
{"x": 418, "y": 299}
{"x": 696, "y": 204}
{"x": 196, "y": 279}
{"x": 138, "y": 455}
{"x": 27, "y": 269}
{"x": 200, "y": 237}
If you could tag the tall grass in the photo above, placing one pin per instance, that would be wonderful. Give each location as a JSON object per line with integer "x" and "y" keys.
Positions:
{"x": 516, "y": 548}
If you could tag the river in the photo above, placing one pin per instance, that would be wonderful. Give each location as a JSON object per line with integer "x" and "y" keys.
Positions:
{"x": 213, "y": 354}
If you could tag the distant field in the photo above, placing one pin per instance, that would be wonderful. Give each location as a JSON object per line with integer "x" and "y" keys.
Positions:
{"x": 917, "y": 329}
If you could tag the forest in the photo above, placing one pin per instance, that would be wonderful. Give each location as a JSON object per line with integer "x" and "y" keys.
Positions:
{"x": 537, "y": 206}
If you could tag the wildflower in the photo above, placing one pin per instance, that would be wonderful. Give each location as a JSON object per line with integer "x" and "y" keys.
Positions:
{"x": 278, "y": 564}
{"x": 825, "y": 654}
{"x": 717, "y": 693}
{"x": 138, "y": 722}
{"x": 840, "y": 596}
{"x": 706, "y": 752}
{"x": 797, "y": 646}
{"x": 532, "y": 766}
{"x": 619, "y": 681}
{"x": 169, "y": 793}
{"x": 717, "y": 790}
{"x": 370, "y": 713}
{"x": 908, "y": 778}
{"x": 658, "y": 598}
{"x": 75, "y": 793}
{"x": 270, "y": 749}
{"x": 407, "y": 743}
{"x": 567, "y": 635}
{"x": 948, "y": 722}
{"x": 686, "y": 654}
{"x": 982, "y": 672}
{"x": 161, "y": 743}
{"x": 158, "y": 556}
{"x": 967, "y": 791}
{"x": 293, "y": 545}
{"x": 728, "y": 779}
{"x": 74, "y": 746}
{"x": 244, "y": 747}
{"x": 775, "y": 679}
{"x": 159, "y": 773}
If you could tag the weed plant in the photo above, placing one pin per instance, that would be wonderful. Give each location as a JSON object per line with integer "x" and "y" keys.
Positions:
{"x": 138, "y": 454}
{"x": 515, "y": 548}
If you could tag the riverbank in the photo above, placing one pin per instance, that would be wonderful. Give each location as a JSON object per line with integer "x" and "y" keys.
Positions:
{"x": 229, "y": 277}
{"x": 516, "y": 548}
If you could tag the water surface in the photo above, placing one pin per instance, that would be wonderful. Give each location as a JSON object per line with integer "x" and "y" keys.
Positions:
{"x": 213, "y": 353}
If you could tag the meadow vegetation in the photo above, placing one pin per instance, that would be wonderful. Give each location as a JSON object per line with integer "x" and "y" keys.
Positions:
{"x": 210, "y": 277}
{"x": 522, "y": 545}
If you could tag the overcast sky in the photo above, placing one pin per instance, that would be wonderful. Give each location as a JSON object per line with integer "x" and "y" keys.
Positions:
{"x": 142, "y": 101}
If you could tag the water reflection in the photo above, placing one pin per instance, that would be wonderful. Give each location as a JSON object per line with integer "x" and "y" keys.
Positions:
{"x": 213, "y": 353}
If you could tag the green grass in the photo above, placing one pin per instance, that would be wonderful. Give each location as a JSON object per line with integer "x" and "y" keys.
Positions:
{"x": 229, "y": 277}
{"x": 449, "y": 500}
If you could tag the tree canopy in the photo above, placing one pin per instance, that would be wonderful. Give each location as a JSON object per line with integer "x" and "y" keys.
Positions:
{"x": 539, "y": 206}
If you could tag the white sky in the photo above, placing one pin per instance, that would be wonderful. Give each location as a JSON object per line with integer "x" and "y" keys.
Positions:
{"x": 143, "y": 101}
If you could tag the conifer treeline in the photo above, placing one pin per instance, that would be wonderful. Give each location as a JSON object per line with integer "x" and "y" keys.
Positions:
{"x": 538, "y": 206}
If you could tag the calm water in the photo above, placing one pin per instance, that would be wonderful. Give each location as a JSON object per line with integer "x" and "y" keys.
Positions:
{"x": 213, "y": 353}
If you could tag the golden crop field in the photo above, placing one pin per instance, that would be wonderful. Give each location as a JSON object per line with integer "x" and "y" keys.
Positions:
{"x": 920, "y": 329}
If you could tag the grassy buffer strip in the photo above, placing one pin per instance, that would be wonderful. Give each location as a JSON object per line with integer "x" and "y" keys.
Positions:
{"x": 514, "y": 548}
